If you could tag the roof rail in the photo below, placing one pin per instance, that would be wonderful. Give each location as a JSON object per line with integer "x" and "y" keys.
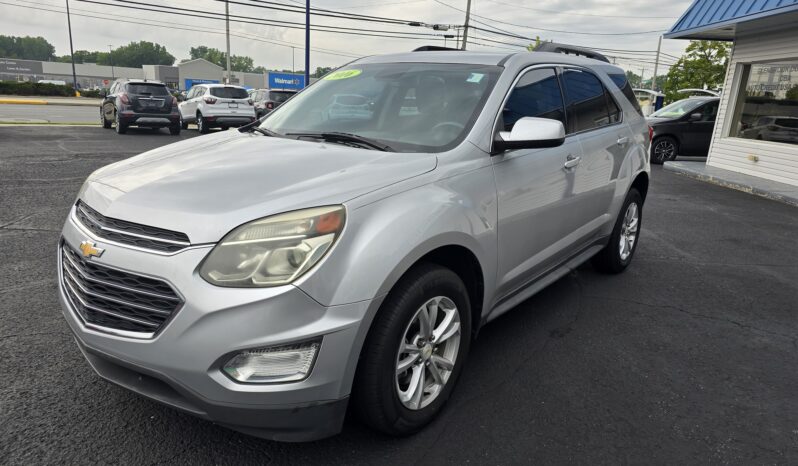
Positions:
{"x": 435, "y": 48}
{"x": 570, "y": 50}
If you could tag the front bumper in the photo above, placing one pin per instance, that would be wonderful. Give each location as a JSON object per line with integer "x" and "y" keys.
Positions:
{"x": 181, "y": 365}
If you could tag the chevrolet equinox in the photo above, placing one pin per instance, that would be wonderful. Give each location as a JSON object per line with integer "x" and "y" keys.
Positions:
{"x": 346, "y": 249}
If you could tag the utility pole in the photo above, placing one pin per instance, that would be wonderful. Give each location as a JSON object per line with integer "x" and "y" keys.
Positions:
{"x": 307, "y": 42}
{"x": 111, "y": 60}
{"x": 227, "y": 24}
{"x": 71, "y": 51}
{"x": 293, "y": 66}
{"x": 465, "y": 30}
{"x": 656, "y": 65}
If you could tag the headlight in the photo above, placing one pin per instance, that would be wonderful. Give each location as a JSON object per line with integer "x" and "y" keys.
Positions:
{"x": 274, "y": 250}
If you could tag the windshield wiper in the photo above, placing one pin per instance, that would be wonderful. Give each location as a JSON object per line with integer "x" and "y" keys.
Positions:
{"x": 254, "y": 126}
{"x": 334, "y": 136}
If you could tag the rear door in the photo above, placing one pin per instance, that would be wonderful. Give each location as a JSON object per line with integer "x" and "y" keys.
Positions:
{"x": 534, "y": 189}
{"x": 597, "y": 120}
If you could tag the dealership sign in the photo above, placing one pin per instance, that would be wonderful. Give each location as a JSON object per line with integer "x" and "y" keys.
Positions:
{"x": 286, "y": 81}
{"x": 14, "y": 66}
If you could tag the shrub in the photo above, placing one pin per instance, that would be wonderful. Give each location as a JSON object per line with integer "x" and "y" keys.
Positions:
{"x": 31, "y": 88}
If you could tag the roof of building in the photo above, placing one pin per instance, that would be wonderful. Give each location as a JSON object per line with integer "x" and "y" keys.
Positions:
{"x": 718, "y": 19}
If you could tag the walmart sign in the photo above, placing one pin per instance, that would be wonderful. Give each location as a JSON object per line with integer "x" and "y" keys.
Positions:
{"x": 286, "y": 81}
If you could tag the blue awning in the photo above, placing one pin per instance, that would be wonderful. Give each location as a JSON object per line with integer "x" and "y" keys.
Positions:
{"x": 716, "y": 19}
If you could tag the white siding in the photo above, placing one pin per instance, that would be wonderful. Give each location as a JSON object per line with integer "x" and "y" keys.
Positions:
{"x": 777, "y": 161}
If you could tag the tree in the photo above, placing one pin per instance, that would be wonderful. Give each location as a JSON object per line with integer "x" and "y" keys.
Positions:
{"x": 703, "y": 66}
{"x": 136, "y": 54}
{"x": 792, "y": 94}
{"x": 634, "y": 79}
{"x": 531, "y": 47}
{"x": 26, "y": 48}
{"x": 84, "y": 56}
{"x": 321, "y": 71}
{"x": 237, "y": 62}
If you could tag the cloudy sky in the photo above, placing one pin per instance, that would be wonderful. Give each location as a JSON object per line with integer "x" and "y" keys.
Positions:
{"x": 627, "y": 28}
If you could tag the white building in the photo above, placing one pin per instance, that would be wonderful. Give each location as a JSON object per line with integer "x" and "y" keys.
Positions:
{"x": 756, "y": 132}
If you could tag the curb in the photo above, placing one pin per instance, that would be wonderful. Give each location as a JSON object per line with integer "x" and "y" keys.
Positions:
{"x": 790, "y": 198}
{"x": 47, "y": 102}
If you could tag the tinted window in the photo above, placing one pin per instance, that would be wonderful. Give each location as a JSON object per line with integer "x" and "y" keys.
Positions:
{"x": 615, "y": 111}
{"x": 537, "y": 94}
{"x": 586, "y": 103}
{"x": 710, "y": 111}
{"x": 147, "y": 89}
{"x": 623, "y": 84}
{"x": 280, "y": 96}
{"x": 229, "y": 92}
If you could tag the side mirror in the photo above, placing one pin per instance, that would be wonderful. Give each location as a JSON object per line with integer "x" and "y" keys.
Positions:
{"x": 695, "y": 116}
{"x": 530, "y": 133}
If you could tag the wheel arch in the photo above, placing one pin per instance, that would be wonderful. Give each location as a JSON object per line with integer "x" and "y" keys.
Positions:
{"x": 640, "y": 183}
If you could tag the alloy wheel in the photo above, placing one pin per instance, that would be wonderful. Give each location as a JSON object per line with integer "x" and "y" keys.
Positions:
{"x": 631, "y": 220}
{"x": 664, "y": 150}
{"x": 427, "y": 353}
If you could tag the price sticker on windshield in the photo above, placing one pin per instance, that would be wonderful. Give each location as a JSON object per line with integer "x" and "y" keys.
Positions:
{"x": 342, "y": 74}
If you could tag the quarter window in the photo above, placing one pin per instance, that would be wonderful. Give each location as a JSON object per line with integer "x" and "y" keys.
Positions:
{"x": 586, "y": 101}
{"x": 537, "y": 94}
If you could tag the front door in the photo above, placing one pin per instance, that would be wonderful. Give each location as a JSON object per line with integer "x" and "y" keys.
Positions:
{"x": 534, "y": 189}
{"x": 698, "y": 133}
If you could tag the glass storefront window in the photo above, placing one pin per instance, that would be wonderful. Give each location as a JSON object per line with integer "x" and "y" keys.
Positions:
{"x": 767, "y": 103}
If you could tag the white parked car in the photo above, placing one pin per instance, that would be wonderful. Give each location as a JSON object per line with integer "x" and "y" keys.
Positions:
{"x": 216, "y": 106}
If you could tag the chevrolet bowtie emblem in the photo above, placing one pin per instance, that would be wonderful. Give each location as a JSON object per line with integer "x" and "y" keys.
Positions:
{"x": 88, "y": 249}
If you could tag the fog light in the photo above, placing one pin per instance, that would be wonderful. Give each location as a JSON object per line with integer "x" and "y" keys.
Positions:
{"x": 288, "y": 363}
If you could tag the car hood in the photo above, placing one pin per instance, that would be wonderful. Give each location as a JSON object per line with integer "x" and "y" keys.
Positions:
{"x": 206, "y": 186}
{"x": 658, "y": 120}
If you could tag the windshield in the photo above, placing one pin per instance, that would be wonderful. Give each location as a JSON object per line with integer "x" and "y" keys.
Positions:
{"x": 280, "y": 96}
{"x": 412, "y": 107}
{"x": 148, "y": 89}
{"x": 678, "y": 108}
{"x": 229, "y": 92}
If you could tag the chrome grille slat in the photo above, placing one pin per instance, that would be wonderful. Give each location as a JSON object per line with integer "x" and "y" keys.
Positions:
{"x": 77, "y": 268}
{"x": 129, "y": 233}
{"x": 110, "y": 299}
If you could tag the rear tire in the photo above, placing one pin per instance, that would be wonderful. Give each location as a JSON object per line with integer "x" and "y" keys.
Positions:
{"x": 121, "y": 128}
{"x": 174, "y": 130}
{"x": 202, "y": 126}
{"x": 664, "y": 149}
{"x": 392, "y": 391}
{"x": 618, "y": 253}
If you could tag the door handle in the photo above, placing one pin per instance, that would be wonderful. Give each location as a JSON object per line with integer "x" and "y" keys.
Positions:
{"x": 571, "y": 161}
{"x": 622, "y": 141}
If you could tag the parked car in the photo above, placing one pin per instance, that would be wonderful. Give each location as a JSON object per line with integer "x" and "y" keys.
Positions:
{"x": 216, "y": 106}
{"x": 683, "y": 128}
{"x": 142, "y": 103}
{"x": 773, "y": 128}
{"x": 267, "y": 100}
{"x": 266, "y": 278}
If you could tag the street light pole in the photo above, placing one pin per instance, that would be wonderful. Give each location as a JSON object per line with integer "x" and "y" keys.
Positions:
{"x": 307, "y": 42}
{"x": 111, "y": 60}
{"x": 227, "y": 24}
{"x": 71, "y": 51}
{"x": 465, "y": 29}
{"x": 656, "y": 65}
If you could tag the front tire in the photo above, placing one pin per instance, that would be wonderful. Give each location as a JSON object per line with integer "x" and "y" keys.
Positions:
{"x": 664, "y": 149}
{"x": 414, "y": 352}
{"x": 618, "y": 253}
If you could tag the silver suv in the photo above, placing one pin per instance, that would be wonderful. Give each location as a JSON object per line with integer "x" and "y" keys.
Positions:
{"x": 265, "y": 278}
{"x": 216, "y": 106}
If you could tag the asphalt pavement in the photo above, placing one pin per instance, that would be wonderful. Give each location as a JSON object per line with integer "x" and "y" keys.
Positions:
{"x": 49, "y": 114}
{"x": 687, "y": 358}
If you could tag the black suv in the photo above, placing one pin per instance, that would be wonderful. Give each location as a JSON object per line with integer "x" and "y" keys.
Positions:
{"x": 139, "y": 103}
{"x": 683, "y": 128}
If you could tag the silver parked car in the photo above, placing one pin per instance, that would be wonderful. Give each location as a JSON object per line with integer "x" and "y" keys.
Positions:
{"x": 265, "y": 278}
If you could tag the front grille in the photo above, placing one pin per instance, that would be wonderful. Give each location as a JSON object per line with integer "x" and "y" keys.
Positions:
{"x": 134, "y": 234}
{"x": 114, "y": 299}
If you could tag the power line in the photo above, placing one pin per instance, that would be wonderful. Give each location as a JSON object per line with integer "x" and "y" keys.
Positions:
{"x": 186, "y": 27}
{"x": 571, "y": 13}
{"x": 553, "y": 30}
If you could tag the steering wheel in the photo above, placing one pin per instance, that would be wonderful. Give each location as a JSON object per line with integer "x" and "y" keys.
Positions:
{"x": 452, "y": 124}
